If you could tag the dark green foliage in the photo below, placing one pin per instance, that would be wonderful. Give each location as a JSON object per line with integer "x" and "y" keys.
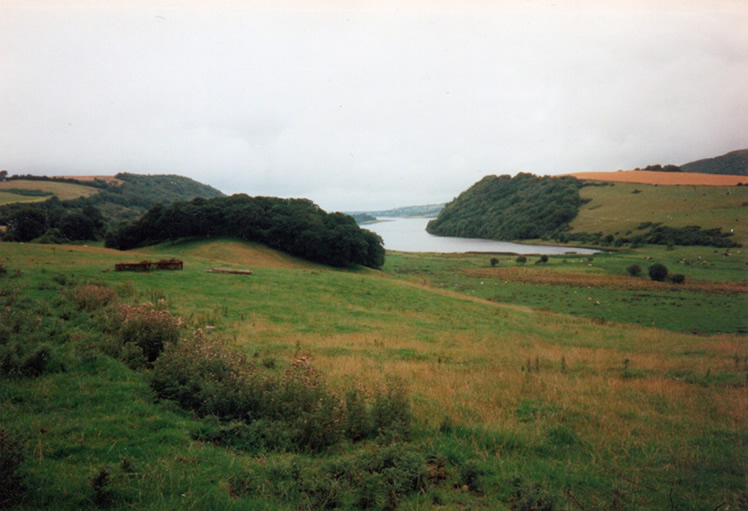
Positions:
{"x": 689, "y": 235}
{"x": 634, "y": 270}
{"x": 660, "y": 168}
{"x": 206, "y": 378}
{"x": 658, "y": 272}
{"x": 11, "y": 479}
{"x": 357, "y": 425}
{"x": 661, "y": 235}
{"x": 521, "y": 259}
{"x": 543, "y": 259}
{"x": 390, "y": 412}
{"x": 377, "y": 479}
{"x": 26, "y": 224}
{"x": 382, "y": 478}
{"x": 296, "y": 226}
{"x": 28, "y": 193}
{"x": 735, "y": 163}
{"x": 677, "y": 278}
{"x": 87, "y": 218}
{"x": 494, "y": 262}
{"x": 255, "y": 411}
{"x": 506, "y": 208}
{"x": 143, "y": 330}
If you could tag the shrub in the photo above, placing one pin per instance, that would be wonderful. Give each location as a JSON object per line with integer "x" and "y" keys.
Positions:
{"x": 634, "y": 270}
{"x": 390, "y": 411}
{"x": 356, "y": 416}
{"x": 301, "y": 400}
{"x": 677, "y": 278}
{"x": 543, "y": 258}
{"x": 494, "y": 261}
{"x": 25, "y": 360}
{"x": 204, "y": 377}
{"x": 149, "y": 329}
{"x": 11, "y": 480}
{"x": 521, "y": 259}
{"x": 381, "y": 478}
{"x": 292, "y": 412}
{"x": 658, "y": 272}
{"x": 90, "y": 297}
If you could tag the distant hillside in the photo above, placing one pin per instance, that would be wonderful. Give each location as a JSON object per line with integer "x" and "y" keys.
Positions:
{"x": 652, "y": 177}
{"x": 566, "y": 209}
{"x": 734, "y": 163}
{"x": 57, "y": 210}
{"x": 427, "y": 210}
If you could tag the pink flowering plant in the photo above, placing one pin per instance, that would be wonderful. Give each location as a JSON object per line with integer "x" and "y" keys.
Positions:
{"x": 90, "y": 297}
{"x": 143, "y": 331}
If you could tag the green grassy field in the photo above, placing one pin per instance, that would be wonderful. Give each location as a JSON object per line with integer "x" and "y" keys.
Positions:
{"x": 713, "y": 299}
{"x": 512, "y": 407}
{"x": 64, "y": 191}
{"x": 621, "y": 207}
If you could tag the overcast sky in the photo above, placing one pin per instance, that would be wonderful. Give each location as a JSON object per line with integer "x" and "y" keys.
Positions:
{"x": 362, "y": 105}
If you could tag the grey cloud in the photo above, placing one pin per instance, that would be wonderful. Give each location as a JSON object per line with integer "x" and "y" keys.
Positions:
{"x": 371, "y": 106}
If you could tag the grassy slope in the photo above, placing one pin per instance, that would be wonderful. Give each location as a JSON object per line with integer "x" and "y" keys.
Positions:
{"x": 617, "y": 209}
{"x": 603, "y": 410}
{"x": 65, "y": 191}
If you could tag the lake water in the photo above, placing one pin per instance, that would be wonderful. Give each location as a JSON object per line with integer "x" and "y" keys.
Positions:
{"x": 409, "y": 235}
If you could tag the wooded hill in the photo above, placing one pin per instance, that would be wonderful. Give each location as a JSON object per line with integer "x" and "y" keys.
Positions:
{"x": 295, "y": 226}
{"x": 565, "y": 209}
{"x": 511, "y": 208}
{"x": 69, "y": 209}
{"x": 734, "y": 163}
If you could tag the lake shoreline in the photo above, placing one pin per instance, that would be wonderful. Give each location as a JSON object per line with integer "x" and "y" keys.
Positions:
{"x": 408, "y": 234}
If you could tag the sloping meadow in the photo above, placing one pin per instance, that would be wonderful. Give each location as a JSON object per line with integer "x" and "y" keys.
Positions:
{"x": 495, "y": 406}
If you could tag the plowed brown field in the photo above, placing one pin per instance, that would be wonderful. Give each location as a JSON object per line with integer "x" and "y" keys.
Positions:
{"x": 648, "y": 177}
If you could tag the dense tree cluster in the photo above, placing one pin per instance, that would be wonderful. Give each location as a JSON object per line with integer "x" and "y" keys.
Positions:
{"x": 296, "y": 226}
{"x": 511, "y": 208}
{"x": 52, "y": 222}
{"x": 87, "y": 218}
{"x": 660, "y": 168}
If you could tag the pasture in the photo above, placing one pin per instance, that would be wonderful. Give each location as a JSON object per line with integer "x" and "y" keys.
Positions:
{"x": 512, "y": 406}
{"x": 63, "y": 191}
{"x": 620, "y": 208}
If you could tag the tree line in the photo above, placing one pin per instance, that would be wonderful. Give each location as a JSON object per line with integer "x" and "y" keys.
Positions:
{"x": 295, "y": 226}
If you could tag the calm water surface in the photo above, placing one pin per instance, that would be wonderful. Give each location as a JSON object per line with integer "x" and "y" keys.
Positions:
{"x": 409, "y": 235}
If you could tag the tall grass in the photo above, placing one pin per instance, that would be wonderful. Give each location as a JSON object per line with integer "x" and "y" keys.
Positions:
{"x": 509, "y": 405}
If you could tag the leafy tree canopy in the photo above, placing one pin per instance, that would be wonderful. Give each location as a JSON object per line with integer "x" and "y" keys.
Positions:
{"x": 511, "y": 208}
{"x": 296, "y": 226}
